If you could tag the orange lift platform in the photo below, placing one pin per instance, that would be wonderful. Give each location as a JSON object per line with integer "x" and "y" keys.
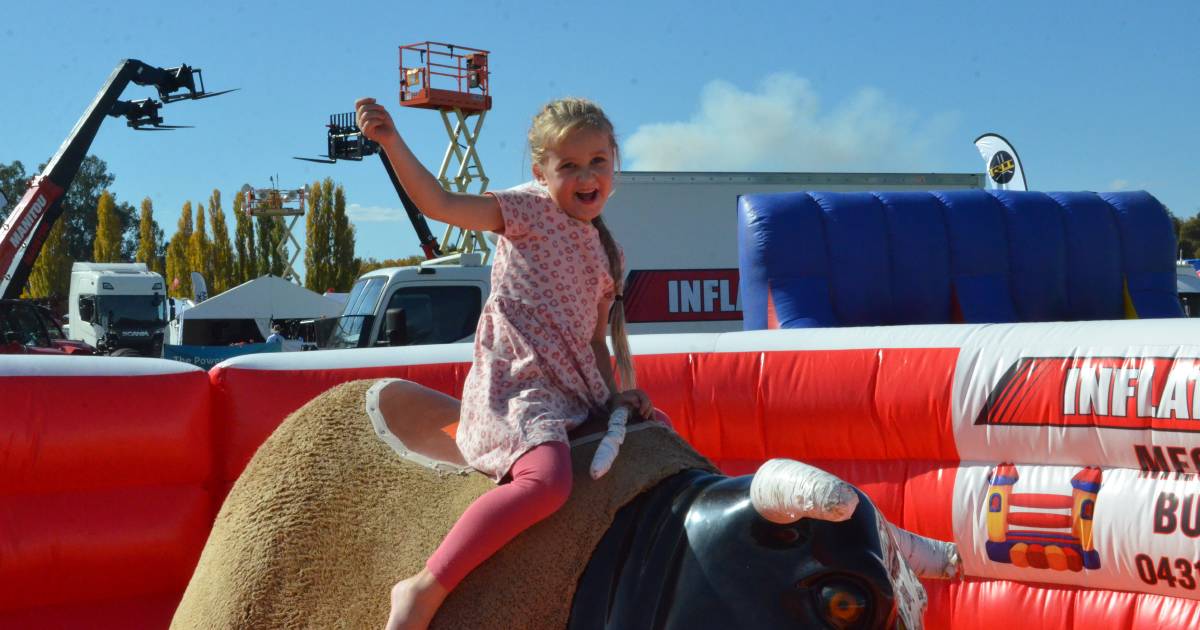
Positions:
{"x": 454, "y": 80}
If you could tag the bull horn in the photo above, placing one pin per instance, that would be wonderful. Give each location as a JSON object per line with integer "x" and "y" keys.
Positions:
{"x": 928, "y": 558}
{"x": 784, "y": 491}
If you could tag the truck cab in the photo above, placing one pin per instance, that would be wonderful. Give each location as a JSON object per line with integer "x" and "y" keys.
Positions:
{"x": 411, "y": 306}
{"x": 1187, "y": 284}
{"x": 119, "y": 308}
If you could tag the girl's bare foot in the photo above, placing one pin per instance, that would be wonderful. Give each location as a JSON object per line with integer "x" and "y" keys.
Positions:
{"x": 415, "y": 601}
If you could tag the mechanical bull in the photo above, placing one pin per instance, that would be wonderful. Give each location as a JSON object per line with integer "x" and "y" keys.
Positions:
{"x": 789, "y": 547}
{"x": 356, "y": 489}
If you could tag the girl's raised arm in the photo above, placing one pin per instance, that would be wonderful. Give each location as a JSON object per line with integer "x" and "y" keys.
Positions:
{"x": 471, "y": 212}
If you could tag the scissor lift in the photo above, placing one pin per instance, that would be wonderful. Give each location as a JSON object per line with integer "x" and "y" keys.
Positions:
{"x": 273, "y": 202}
{"x": 454, "y": 81}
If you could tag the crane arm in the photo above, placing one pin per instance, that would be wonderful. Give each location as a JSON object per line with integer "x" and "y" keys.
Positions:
{"x": 26, "y": 228}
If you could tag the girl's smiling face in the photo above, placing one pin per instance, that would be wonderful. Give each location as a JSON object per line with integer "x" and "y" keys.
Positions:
{"x": 578, "y": 172}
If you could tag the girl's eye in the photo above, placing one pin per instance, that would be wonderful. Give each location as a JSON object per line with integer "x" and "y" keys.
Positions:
{"x": 566, "y": 165}
{"x": 599, "y": 160}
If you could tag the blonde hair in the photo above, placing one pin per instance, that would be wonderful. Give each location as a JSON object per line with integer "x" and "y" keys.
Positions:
{"x": 557, "y": 120}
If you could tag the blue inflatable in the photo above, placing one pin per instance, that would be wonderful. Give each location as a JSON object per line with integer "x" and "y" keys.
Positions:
{"x": 974, "y": 256}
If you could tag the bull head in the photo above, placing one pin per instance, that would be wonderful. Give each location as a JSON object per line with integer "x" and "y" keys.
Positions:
{"x": 792, "y": 546}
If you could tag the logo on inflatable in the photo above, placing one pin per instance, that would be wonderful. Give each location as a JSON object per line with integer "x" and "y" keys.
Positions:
{"x": 1057, "y": 532}
{"x": 1002, "y": 167}
{"x": 682, "y": 295}
{"x": 1156, "y": 393}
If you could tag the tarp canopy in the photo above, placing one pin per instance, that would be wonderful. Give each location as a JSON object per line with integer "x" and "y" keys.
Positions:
{"x": 266, "y": 297}
{"x": 255, "y": 304}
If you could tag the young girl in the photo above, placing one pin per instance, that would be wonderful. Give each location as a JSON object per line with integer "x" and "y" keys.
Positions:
{"x": 541, "y": 363}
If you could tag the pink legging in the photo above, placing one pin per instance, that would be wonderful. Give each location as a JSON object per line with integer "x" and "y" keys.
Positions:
{"x": 541, "y": 483}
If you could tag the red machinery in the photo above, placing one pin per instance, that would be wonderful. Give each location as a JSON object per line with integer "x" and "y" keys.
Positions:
{"x": 25, "y": 230}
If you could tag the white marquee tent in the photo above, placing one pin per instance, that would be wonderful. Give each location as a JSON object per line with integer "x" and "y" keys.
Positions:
{"x": 249, "y": 309}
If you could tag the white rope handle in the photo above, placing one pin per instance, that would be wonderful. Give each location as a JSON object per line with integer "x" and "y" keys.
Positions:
{"x": 610, "y": 444}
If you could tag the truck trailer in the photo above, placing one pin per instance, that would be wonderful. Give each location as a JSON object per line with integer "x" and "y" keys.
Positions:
{"x": 679, "y": 234}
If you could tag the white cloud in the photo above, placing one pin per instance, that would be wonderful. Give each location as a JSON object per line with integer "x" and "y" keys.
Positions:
{"x": 781, "y": 127}
{"x": 1118, "y": 184}
{"x": 374, "y": 214}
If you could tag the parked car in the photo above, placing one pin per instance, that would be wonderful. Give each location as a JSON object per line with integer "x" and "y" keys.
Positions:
{"x": 27, "y": 328}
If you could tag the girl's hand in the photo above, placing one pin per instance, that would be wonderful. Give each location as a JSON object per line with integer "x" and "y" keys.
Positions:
{"x": 374, "y": 120}
{"x": 635, "y": 399}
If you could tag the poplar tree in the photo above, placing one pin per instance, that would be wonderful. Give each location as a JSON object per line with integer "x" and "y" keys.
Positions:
{"x": 345, "y": 265}
{"x": 263, "y": 228}
{"x": 51, "y": 274}
{"x": 318, "y": 242}
{"x": 275, "y": 245}
{"x": 160, "y": 249}
{"x": 279, "y": 252}
{"x": 266, "y": 239}
{"x": 222, "y": 252}
{"x": 79, "y": 205}
{"x": 272, "y": 256}
{"x": 107, "y": 246}
{"x": 199, "y": 253}
{"x": 247, "y": 256}
{"x": 178, "y": 270}
{"x": 149, "y": 238}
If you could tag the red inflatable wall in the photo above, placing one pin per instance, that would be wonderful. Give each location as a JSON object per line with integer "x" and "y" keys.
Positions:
{"x": 113, "y": 468}
{"x": 105, "y": 489}
{"x": 880, "y": 407}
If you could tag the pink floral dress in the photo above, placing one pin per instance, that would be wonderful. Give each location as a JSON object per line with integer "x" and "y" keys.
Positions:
{"x": 534, "y": 376}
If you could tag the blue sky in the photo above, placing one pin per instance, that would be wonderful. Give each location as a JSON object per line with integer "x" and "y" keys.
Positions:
{"x": 1095, "y": 96}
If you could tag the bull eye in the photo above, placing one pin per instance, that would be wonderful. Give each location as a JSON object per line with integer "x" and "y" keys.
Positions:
{"x": 787, "y": 535}
{"x": 843, "y": 604}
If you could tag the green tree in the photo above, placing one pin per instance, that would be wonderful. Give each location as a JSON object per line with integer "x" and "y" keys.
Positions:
{"x": 1189, "y": 237}
{"x": 345, "y": 265}
{"x": 268, "y": 238}
{"x": 247, "y": 256}
{"x": 263, "y": 228}
{"x": 51, "y": 274}
{"x": 222, "y": 252}
{"x": 107, "y": 246}
{"x": 272, "y": 257}
{"x": 280, "y": 253}
{"x": 178, "y": 270}
{"x": 370, "y": 264}
{"x": 79, "y": 204}
{"x": 199, "y": 252}
{"x": 149, "y": 239}
{"x": 13, "y": 183}
{"x": 318, "y": 237}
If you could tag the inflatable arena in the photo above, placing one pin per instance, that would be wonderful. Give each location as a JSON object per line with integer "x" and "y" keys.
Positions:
{"x": 1010, "y": 372}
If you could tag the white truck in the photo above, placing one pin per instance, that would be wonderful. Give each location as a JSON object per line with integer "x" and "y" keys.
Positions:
{"x": 120, "y": 308}
{"x": 1187, "y": 284}
{"x": 679, "y": 233}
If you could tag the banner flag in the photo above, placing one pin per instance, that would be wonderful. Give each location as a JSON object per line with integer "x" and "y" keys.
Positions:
{"x": 199, "y": 288}
{"x": 1003, "y": 164}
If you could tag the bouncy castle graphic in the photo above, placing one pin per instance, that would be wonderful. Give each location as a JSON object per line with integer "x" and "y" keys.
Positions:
{"x": 1056, "y": 529}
